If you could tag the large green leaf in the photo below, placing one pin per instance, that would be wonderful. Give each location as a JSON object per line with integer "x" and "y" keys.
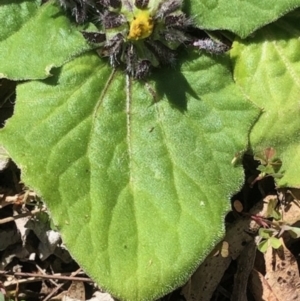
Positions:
{"x": 137, "y": 175}
{"x": 13, "y": 14}
{"x": 240, "y": 17}
{"x": 267, "y": 67}
{"x": 34, "y": 39}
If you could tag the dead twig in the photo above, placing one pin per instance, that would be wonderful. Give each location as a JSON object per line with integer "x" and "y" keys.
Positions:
{"x": 60, "y": 286}
{"x": 54, "y": 276}
{"x": 29, "y": 213}
{"x": 6, "y": 200}
{"x": 43, "y": 273}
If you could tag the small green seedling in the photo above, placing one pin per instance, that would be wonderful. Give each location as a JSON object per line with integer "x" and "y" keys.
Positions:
{"x": 271, "y": 232}
{"x": 268, "y": 238}
{"x": 269, "y": 165}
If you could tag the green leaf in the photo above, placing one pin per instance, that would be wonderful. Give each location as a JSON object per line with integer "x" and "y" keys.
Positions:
{"x": 265, "y": 233}
{"x": 267, "y": 69}
{"x": 272, "y": 210}
{"x": 34, "y": 39}
{"x": 240, "y": 17}
{"x": 13, "y": 14}
{"x": 275, "y": 242}
{"x": 263, "y": 246}
{"x": 137, "y": 175}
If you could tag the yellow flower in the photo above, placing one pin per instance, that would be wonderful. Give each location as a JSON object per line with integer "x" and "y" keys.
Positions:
{"x": 141, "y": 26}
{"x": 140, "y": 34}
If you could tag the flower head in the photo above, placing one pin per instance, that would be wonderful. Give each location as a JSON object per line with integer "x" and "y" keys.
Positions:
{"x": 141, "y": 34}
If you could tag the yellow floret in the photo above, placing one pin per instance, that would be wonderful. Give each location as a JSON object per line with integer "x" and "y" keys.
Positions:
{"x": 141, "y": 26}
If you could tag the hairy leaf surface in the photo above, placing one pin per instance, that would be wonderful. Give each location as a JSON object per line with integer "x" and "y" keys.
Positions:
{"x": 137, "y": 175}
{"x": 13, "y": 14}
{"x": 267, "y": 67}
{"x": 34, "y": 39}
{"x": 240, "y": 17}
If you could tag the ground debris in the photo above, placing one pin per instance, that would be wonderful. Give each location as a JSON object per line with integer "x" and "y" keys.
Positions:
{"x": 282, "y": 273}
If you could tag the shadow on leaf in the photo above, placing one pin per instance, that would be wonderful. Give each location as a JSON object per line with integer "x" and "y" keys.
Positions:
{"x": 174, "y": 86}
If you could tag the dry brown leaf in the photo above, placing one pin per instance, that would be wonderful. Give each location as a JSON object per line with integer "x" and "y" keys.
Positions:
{"x": 260, "y": 288}
{"x": 282, "y": 273}
{"x": 8, "y": 237}
{"x": 99, "y": 296}
{"x": 207, "y": 277}
{"x": 245, "y": 264}
{"x": 291, "y": 211}
{"x": 76, "y": 292}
